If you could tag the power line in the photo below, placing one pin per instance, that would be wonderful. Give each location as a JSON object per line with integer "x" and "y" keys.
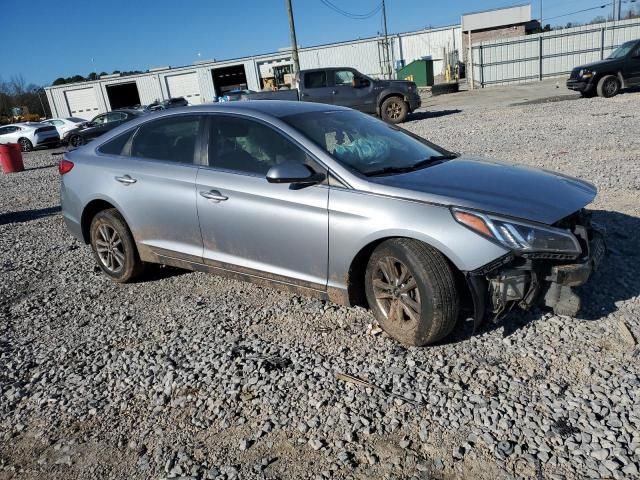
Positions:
{"x": 353, "y": 16}
{"x": 605, "y": 5}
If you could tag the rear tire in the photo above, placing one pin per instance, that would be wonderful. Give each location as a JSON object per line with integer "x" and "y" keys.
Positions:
{"x": 394, "y": 110}
{"x": 25, "y": 144}
{"x": 114, "y": 247}
{"x": 411, "y": 289}
{"x": 608, "y": 86}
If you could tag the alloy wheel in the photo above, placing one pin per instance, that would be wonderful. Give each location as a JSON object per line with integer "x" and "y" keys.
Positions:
{"x": 394, "y": 110}
{"x": 396, "y": 292}
{"x": 25, "y": 145}
{"x": 610, "y": 88}
{"x": 110, "y": 248}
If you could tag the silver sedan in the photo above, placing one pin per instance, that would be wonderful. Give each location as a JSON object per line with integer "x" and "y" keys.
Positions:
{"x": 334, "y": 203}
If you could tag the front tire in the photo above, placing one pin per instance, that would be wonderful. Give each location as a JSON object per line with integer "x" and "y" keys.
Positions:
{"x": 25, "y": 144}
{"x": 114, "y": 247}
{"x": 394, "y": 110}
{"x": 608, "y": 86}
{"x": 76, "y": 141}
{"x": 412, "y": 291}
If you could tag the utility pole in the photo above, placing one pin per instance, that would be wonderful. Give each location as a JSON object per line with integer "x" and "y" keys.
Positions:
{"x": 294, "y": 42}
{"x": 619, "y": 9}
{"x": 386, "y": 40}
{"x": 541, "y": 26}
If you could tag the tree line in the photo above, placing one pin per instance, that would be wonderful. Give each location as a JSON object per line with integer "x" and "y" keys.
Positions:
{"x": 91, "y": 76}
{"x": 16, "y": 92}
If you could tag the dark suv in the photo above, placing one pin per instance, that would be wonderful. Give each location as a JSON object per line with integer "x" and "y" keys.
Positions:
{"x": 606, "y": 77}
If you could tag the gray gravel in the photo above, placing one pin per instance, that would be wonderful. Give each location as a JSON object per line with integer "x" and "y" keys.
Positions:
{"x": 187, "y": 375}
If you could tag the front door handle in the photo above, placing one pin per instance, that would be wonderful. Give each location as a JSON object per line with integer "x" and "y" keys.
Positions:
{"x": 126, "y": 179}
{"x": 334, "y": 92}
{"x": 214, "y": 195}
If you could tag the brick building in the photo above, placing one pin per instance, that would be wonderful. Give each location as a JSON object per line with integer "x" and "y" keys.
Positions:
{"x": 493, "y": 24}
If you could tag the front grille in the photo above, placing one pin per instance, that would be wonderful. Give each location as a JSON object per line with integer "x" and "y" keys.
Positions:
{"x": 44, "y": 129}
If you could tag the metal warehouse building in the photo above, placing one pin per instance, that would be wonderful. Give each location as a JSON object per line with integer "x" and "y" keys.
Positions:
{"x": 203, "y": 81}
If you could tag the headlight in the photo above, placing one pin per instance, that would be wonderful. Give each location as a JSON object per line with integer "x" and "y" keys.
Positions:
{"x": 584, "y": 73}
{"x": 519, "y": 236}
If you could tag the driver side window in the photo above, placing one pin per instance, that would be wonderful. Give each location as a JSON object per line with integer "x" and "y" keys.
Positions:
{"x": 249, "y": 147}
{"x": 100, "y": 119}
{"x": 344, "y": 77}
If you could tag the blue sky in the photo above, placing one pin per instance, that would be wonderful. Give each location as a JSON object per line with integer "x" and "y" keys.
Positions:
{"x": 67, "y": 37}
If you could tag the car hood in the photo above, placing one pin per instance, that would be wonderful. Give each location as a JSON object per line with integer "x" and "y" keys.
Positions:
{"x": 596, "y": 65}
{"x": 492, "y": 186}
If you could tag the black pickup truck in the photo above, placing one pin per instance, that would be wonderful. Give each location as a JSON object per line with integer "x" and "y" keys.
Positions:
{"x": 391, "y": 100}
{"x": 607, "y": 77}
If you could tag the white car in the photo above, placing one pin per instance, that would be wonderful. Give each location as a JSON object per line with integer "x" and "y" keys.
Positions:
{"x": 64, "y": 125}
{"x": 30, "y": 135}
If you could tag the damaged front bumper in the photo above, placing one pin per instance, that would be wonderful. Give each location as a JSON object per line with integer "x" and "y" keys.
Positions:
{"x": 531, "y": 279}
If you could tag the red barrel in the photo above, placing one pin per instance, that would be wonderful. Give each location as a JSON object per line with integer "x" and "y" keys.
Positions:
{"x": 11, "y": 158}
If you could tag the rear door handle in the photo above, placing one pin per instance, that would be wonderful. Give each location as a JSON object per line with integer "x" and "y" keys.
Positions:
{"x": 214, "y": 195}
{"x": 126, "y": 179}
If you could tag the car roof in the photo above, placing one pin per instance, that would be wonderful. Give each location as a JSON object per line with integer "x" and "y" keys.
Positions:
{"x": 132, "y": 111}
{"x": 276, "y": 108}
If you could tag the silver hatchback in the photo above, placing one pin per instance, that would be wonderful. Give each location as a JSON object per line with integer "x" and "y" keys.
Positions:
{"x": 334, "y": 203}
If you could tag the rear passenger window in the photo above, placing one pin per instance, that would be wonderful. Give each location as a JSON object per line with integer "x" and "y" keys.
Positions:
{"x": 116, "y": 145}
{"x": 315, "y": 79}
{"x": 171, "y": 139}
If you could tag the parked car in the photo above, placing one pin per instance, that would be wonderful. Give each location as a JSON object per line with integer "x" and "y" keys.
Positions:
{"x": 169, "y": 103}
{"x": 607, "y": 77}
{"x": 99, "y": 125}
{"x": 30, "y": 135}
{"x": 391, "y": 100}
{"x": 236, "y": 94}
{"x": 64, "y": 125}
{"x": 331, "y": 202}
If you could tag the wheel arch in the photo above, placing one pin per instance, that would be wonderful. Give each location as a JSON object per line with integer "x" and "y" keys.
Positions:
{"x": 356, "y": 273}
{"x": 388, "y": 94}
{"x": 615, "y": 73}
{"x": 91, "y": 210}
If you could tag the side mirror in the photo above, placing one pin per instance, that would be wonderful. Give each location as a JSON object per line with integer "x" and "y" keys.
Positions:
{"x": 293, "y": 172}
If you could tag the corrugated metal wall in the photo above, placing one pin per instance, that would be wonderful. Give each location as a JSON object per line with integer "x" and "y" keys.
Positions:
{"x": 365, "y": 55}
{"x": 534, "y": 57}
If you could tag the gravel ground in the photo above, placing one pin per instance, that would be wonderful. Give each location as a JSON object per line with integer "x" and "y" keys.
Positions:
{"x": 193, "y": 376}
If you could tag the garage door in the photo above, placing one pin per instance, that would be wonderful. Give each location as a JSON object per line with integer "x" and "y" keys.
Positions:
{"x": 185, "y": 85}
{"x": 82, "y": 103}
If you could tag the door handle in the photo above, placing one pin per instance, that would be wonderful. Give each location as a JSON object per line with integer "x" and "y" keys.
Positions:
{"x": 334, "y": 92}
{"x": 214, "y": 195}
{"x": 126, "y": 179}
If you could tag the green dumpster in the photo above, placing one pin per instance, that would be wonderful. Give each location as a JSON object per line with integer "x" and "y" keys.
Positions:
{"x": 418, "y": 71}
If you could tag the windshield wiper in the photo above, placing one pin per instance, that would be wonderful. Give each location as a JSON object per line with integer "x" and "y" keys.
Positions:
{"x": 427, "y": 162}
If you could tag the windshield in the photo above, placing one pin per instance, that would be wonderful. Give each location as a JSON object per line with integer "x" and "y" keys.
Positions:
{"x": 622, "y": 50}
{"x": 365, "y": 144}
